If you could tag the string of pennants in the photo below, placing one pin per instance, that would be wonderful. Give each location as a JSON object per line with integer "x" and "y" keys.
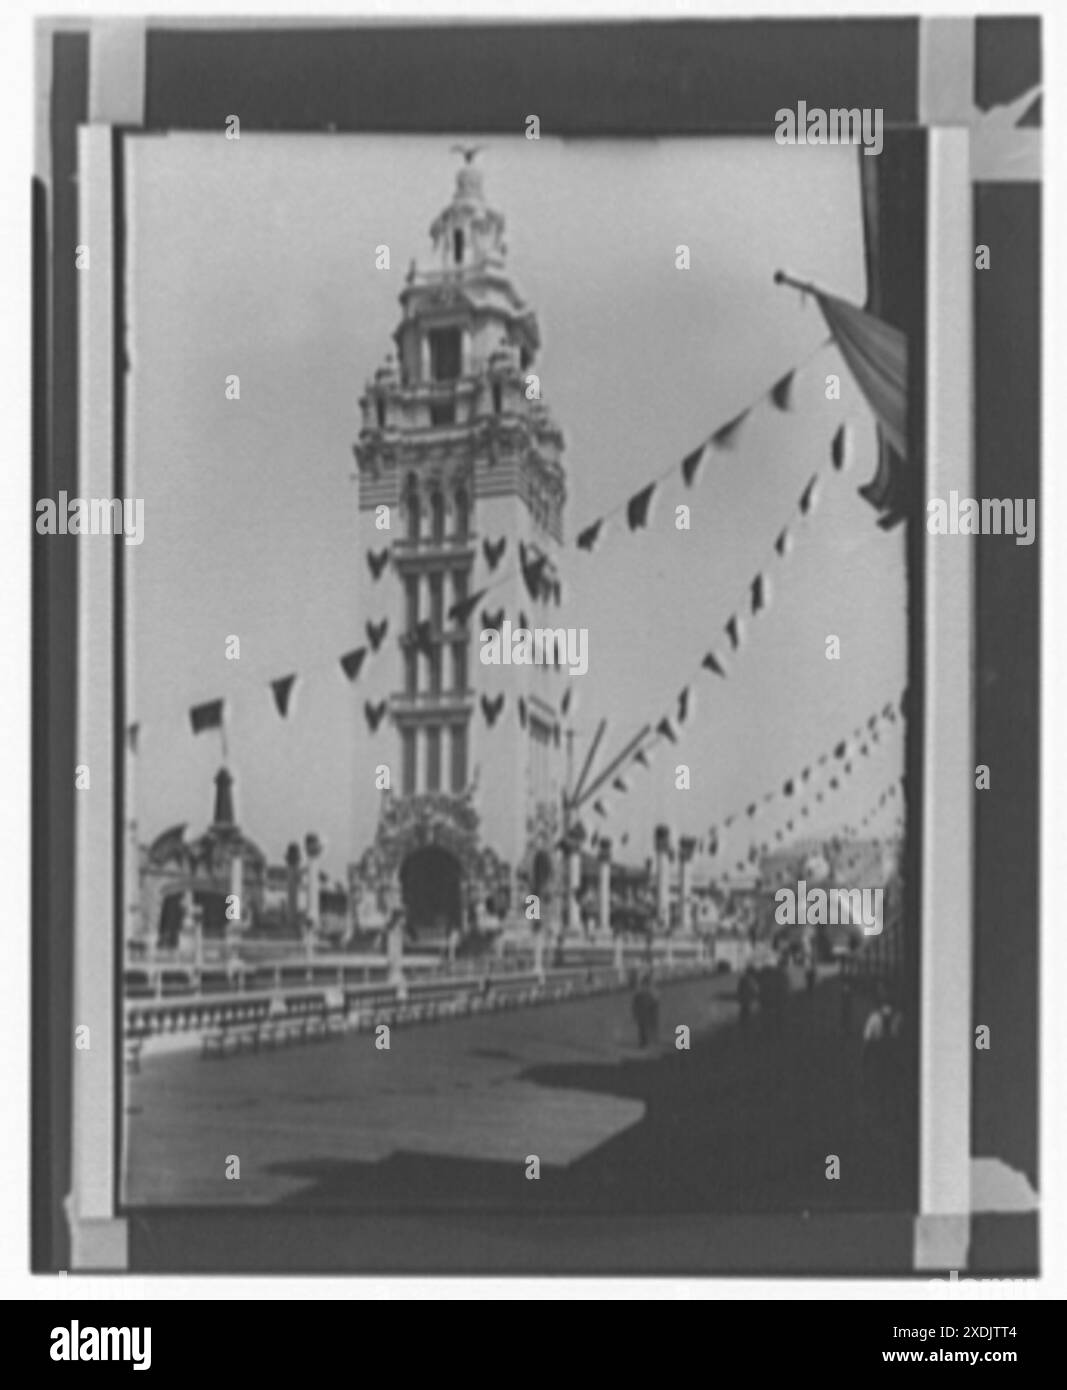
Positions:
{"x": 637, "y": 507}
{"x": 722, "y": 439}
{"x": 209, "y": 715}
{"x": 887, "y": 795}
{"x": 843, "y": 752}
{"x": 754, "y": 598}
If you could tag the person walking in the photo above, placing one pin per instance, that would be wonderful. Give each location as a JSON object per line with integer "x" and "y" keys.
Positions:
{"x": 645, "y": 1009}
{"x": 747, "y": 995}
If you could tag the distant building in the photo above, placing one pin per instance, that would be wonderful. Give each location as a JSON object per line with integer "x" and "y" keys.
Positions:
{"x": 221, "y": 887}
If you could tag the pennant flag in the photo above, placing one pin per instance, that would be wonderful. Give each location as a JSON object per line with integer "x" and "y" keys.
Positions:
{"x": 807, "y": 495}
{"x": 872, "y": 722}
{"x": 805, "y": 774}
{"x": 838, "y": 449}
{"x": 782, "y": 543}
{"x": 713, "y": 842}
{"x": 494, "y": 621}
{"x": 822, "y": 759}
{"x": 841, "y": 749}
{"x": 522, "y": 712}
{"x": 620, "y": 785}
{"x": 789, "y": 825}
{"x": 803, "y": 810}
{"x": 282, "y": 689}
{"x": 725, "y": 437}
{"x": 352, "y": 661}
{"x": 624, "y": 839}
{"x": 565, "y": 703}
{"x": 733, "y": 633}
{"x": 757, "y": 593}
{"x": 728, "y": 822}
{"x": 782, "y": 391}
{"x": 493, "y": 552}
{"x": 377, "y": 562}
{"x": 587, "y": 538}
{"x": 375, "y": 633}
{"x": 833, "y": 784}
{"x": 555, "y": 734}
{"x": 424, "y": 637}
{"x": 637, "y": 507}
{"x": 598, "y": 807}
{"x": 641, "y": 757}
{"x": 691, "y": 463}
{"x": 818, "y": 796}
{"x": 768, "y": 797}
{"x": 491, "y": 708}
{"x": 847, "y": 769}
{"x": 788, "y": 788}
{"x": 683, "y": 706}
{"x": 711, "y": 663}
{"x": 374, "y": 714}
{"x": 523, "y": 622}
{"x": 207, "y": 716}
{"x": 751, "y": 810}
{"x": 664, "y": 728}
{"x": 863, "y": 749}
{"x": 460, "y": 612}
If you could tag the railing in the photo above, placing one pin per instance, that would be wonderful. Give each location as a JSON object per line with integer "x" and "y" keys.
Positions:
{"x": 161, "y": 1018}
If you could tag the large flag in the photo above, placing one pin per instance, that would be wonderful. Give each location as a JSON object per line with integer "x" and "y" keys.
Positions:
{"x": 877, "y": 356}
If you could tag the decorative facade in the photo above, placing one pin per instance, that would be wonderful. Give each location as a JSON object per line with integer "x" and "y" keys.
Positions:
{"x": 460, "y": 458}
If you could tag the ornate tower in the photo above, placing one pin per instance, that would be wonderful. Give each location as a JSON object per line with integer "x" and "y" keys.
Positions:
{"x": 458, "y": 445}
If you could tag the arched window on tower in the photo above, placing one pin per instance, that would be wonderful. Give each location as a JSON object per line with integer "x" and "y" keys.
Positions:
{"x": 463, "y": 515}
{"x": 380, "y": 402}
{"x": 437, "y": 516}
{"x": 412, "y": 505}
{"x": 498, "y": 398}
{"x": 457, "y": 246}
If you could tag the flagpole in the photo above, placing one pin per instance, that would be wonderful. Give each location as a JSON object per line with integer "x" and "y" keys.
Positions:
{"x": 598, "y": 782}
{"x": 805, "y": 287}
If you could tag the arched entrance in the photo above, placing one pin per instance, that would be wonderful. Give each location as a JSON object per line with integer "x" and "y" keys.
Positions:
{"x": 431, "y": 881}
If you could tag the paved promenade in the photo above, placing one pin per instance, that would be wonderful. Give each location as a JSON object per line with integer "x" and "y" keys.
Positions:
{"x": 743, "y": 1120}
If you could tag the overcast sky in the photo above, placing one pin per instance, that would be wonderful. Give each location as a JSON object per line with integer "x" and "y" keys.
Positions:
{"x": 256, "y": 257}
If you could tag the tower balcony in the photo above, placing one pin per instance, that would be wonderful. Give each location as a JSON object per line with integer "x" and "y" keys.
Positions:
{"x": 425, "y": 553}
{"x": 450, "y": 705}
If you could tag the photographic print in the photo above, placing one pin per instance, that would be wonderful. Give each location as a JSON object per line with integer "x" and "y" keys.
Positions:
{"x": 553, "y": 563}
